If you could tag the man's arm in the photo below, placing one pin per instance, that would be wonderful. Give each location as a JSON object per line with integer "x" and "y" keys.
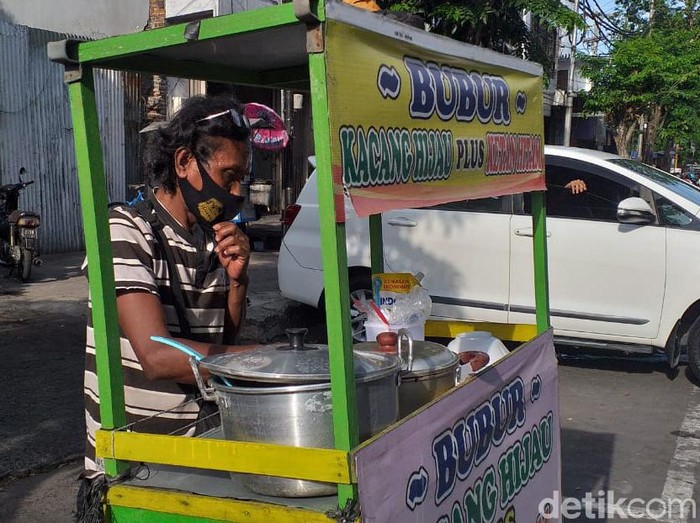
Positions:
{"x": 237, "y": 303}
{"x": 141, "y": 316}
{"x": 233, "y": 249}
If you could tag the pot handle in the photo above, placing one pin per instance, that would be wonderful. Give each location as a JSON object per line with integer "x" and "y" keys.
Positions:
{"x": 208, "y": 393}
{"x": 195, "y": 358}
{"x": 405, "y": 334}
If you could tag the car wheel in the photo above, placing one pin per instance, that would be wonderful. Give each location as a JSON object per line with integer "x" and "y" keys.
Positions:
{"x": 694, "y": 348}
{"x": 360, "y": 289}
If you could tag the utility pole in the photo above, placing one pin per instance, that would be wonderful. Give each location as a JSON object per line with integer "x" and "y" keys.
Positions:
{"x": 568, "y": 116}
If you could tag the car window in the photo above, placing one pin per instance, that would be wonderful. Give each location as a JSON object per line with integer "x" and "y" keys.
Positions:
{"x": 604, "y": 191}
{"x": 671, "y": 215}
{"x": 496, "y": 205}
{"x": 678, "y": 186}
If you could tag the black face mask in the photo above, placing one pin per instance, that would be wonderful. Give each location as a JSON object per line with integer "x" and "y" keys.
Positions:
{"x": 212, "y": 204}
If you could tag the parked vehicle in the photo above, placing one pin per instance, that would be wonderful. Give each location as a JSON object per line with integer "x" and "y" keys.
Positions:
{"x": 622, "y": 255}
{"x": 692, "y": 174}
{"x": 19, "y": 247}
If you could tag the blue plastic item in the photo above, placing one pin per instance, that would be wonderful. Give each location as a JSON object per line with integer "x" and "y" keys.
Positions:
{"x": 187, "y": 350}
{"x": 139, "y": 198}
{"x": 179, "y": 346}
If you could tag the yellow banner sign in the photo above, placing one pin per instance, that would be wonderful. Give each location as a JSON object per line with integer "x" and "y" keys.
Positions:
{"x": 415, "y": 128}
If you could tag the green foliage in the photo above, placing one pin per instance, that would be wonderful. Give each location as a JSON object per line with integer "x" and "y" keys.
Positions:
{"x": 654, "y": 74}
{"x": 497, "y": 24}
{"x": 651, "y": 72}
{"x": 632, "y": 16}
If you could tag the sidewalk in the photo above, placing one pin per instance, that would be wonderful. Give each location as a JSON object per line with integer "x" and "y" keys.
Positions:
{"x": 42, "y": 334}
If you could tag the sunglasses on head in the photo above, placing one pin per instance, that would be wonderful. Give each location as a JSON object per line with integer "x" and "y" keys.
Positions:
{"x": 238, "y": 119}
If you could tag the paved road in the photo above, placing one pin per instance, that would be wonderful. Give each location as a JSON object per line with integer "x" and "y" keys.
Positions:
{"x": 627, "y": 426}
{"x": 42, "y": 336}
{"x": 42, "y": 332}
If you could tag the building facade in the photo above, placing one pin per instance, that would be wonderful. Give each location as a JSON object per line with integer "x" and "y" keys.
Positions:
{"x": 35, "y": 122}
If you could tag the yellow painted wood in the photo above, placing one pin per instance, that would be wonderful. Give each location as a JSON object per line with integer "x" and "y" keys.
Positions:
{"x": 502, "y": 331}
{"x": 207, "y": 507}
{"x": 328, "y": 465}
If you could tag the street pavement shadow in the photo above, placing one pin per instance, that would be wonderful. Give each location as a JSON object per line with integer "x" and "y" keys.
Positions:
{"x": 589, "y": 475}
{"x": 613, "y": 361}
{"x": 631, "y": 363}
{"x": 56, "y": 268}
{"x": 48, "y": 497}
{"x": 42, "y": 417}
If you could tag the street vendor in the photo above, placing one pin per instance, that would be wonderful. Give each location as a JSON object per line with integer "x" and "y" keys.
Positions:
{"x": 180, "y": 270}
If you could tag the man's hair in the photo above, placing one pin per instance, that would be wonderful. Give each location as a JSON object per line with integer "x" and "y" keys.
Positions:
{"x": 187, "y": 129}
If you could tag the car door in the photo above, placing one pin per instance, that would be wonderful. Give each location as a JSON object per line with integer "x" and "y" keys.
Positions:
{"x": 606, "y": 279}
{"x": 462, "y": 248}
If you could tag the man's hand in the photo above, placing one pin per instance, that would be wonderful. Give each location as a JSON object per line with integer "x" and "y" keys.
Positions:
{"x": 576, "y": 186}
{"x": 233, "y": 249}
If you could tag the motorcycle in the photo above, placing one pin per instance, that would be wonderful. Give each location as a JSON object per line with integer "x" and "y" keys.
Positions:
{"x": 19, "y": 246}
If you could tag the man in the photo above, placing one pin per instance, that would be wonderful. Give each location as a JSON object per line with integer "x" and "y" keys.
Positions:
{"x": 180, "y": 270}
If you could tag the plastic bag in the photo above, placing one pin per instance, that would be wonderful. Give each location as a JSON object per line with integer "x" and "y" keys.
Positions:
{"x": 399, "y": 299}
{"x": 415, "y": 306}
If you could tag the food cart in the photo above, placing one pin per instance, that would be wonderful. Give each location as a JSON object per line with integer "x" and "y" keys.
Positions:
{"x": 402, "y": 118}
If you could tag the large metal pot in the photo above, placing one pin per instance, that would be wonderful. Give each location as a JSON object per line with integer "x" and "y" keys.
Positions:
{"x": 281, "y": 394}
{"x": 428, "y": 370}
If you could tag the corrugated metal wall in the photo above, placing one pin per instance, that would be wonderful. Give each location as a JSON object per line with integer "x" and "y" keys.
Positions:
{"x": 133, "y": 122}
{"x": 109, "y": 87}
{"x": 36, "y": 133}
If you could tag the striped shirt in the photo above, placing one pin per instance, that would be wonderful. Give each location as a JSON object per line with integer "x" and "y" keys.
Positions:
{"x": 140, "y": 265}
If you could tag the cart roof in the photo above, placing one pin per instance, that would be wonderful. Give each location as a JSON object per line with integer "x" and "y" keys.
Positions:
{"x": 265, "y": 47}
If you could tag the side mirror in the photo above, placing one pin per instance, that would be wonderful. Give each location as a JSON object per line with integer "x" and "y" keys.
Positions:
{"x": 635, "y": 211}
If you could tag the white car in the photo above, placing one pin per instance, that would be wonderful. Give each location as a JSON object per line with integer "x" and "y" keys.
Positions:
{"x": 623, "y": 255}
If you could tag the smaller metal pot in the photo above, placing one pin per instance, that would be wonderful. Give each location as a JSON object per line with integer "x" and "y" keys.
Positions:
{"x": 428, "y": 370}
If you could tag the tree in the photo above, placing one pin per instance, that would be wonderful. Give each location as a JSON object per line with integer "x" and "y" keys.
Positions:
{"x": 497, "y": 24}
{"x": 652, "y": 77}
{"x": 682, "y": 123}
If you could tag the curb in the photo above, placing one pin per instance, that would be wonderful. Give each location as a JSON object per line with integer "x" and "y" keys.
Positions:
{"x": 16, "y": 475}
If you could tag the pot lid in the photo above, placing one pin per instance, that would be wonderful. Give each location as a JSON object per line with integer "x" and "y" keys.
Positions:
{"x": 295, "y": 362}
{"x": 428, "y": 358}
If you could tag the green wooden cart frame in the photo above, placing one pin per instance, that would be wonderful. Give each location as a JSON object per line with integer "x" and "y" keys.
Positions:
{"x": 281, "y": 47}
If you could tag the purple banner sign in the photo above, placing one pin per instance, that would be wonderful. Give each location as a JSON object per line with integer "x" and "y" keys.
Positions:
{"x": 487, "y": 452}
